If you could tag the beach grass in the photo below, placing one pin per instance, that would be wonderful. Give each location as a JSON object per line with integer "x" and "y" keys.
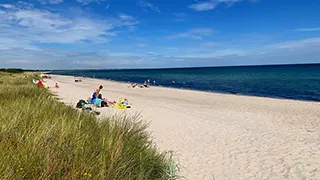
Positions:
{"x": 41, "y": 138}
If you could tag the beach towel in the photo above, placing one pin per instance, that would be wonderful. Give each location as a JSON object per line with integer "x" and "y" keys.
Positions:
{"x": 121, "y": 106}
{"x": 97, "y": 102}
{"x": 40, "y": 84}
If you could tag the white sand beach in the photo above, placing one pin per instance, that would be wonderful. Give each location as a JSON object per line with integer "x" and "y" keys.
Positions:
{"x": 219, "y": 136}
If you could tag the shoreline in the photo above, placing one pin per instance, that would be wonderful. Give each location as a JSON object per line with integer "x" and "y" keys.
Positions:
{"x": 196, "y": 90}
{"x": 222, "y": 135}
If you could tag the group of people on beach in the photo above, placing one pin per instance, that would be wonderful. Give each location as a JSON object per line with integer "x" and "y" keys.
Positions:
{"x": 77, "y": 78}
{"x": 97, "y": 99}
{"x": 146, "y": 84}
{"x": 133, "y": 85}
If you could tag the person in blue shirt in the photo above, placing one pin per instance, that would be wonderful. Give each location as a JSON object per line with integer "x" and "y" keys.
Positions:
{"x": 95, "y": 94}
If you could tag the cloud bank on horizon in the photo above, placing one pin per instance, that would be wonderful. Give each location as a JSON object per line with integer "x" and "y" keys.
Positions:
{"x": 73, "y": 34}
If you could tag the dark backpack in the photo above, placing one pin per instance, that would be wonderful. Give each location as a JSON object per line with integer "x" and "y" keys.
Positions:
{"x": 81, "y": 103}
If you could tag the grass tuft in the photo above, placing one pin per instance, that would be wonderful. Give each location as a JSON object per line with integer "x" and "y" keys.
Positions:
{"x": 41, "y": 138}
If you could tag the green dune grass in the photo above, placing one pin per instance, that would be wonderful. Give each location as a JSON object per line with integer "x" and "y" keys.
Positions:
{"x": 41, "y": 138}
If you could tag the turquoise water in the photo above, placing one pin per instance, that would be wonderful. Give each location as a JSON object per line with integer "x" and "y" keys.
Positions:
{"x": 300, "y": 82}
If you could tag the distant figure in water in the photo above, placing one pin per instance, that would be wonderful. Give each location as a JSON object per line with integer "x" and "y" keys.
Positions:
{"x": 154, "y": 82}
{"x": 173, "y": 82}
{"x": 148, "y": 82}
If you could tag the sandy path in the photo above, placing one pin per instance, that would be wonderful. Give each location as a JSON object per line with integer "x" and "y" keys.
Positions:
{"x": 220, "y": 136}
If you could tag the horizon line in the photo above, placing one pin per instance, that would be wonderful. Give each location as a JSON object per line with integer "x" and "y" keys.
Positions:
{"x": 190, "y": 67}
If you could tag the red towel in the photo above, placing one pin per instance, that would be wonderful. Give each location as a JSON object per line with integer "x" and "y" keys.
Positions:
{"x": 40, "y": 84}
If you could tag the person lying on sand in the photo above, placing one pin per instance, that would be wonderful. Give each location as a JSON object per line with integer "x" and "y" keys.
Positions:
{"x": 133, "y": 85}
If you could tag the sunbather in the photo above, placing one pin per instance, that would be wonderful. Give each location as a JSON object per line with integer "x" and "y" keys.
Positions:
{"x": 133, "y": 85}
{"x": 96, "y": 94}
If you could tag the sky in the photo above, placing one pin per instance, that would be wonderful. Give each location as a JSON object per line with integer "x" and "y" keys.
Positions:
{"x": 115, "y": 34}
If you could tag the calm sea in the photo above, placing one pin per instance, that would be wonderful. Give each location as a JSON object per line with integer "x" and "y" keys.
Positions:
{"x": 300, "y": 82}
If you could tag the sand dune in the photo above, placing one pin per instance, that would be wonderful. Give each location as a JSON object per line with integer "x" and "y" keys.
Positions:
{"x": 219, "y": 136}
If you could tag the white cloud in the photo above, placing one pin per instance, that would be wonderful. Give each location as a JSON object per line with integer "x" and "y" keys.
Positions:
{"x": 33, "y": 25}
{"x": 51, "y": 1}
{"x": 125, "y": 17}
{"x": 7, "y": 6}
{"x": 309, "y": 42}
{"x": 146, "y": 5}
{"x": 86, "y": 2}
{"x": 83, "y": 2}
{"x": 179, "y": 16}
{"x": 307, "y": 29}
{"x": 203, "y": 6}
{"x": 60, "y": 59}
{"x": 141, "y": 45}
{"x": 7, "y": 43}
{"x": 209, "y": 5}
{"x": 217, "y": 54}
{"x": 25, "y": 31}
{"x": 19, "y": 4}
{"x": 197, "y": 33}
{"x": 211, "y": 43}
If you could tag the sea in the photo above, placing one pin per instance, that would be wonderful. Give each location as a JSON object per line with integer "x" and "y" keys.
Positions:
{"x": 299, "y": 82}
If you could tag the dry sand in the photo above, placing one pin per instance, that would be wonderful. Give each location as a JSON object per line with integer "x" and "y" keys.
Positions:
{"x": 219, "y": 136}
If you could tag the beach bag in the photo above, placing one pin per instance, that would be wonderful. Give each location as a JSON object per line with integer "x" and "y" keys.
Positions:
{"x": 104, "y": 104}
{"x": 81, "y": 103}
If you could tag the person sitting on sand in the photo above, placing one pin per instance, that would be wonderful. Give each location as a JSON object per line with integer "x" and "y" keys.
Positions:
{"x": 103, "y": 101}
{"x": 56, "y": 85}
{"x": 96, "y": 102}
{"x": 125, "y": 102}
{"x": 95, "y": 94}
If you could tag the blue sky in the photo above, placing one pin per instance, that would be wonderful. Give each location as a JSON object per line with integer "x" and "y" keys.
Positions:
{"x": 69, "y": 34}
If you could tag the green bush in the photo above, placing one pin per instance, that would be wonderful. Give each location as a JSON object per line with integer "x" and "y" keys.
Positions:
{"x": 12, "y": 70}
{"x": 41, "y": 138}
